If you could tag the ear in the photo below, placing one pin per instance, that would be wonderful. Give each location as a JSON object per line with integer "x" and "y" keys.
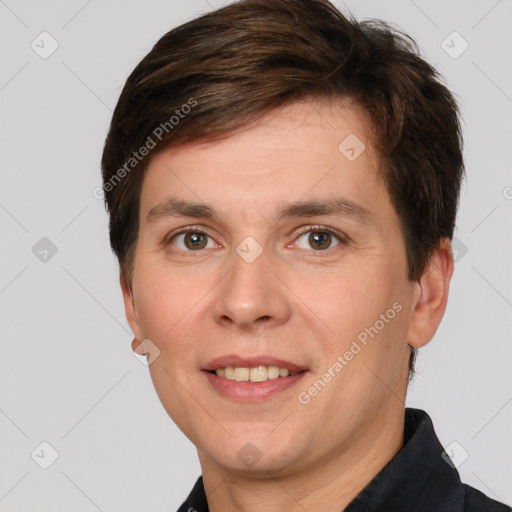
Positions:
{"x": 131, "y": 314}
{"x": 431, "y": 296}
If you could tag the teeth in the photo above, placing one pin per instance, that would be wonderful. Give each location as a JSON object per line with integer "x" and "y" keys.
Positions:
{"x": 241, "y": 374}
{"x": 257, "y": 374}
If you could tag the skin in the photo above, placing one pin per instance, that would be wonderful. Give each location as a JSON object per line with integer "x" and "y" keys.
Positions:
{"x": 295, "y": 302}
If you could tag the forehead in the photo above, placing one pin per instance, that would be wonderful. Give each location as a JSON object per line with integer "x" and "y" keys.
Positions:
{"x": 297, "y": 152}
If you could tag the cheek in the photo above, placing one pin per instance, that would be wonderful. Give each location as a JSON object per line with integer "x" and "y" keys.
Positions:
{"x": 161, "y": 300}
{"x": 358, "y": 310}
{"x": 344, "y": 300}
{"x": 170, "y": 308}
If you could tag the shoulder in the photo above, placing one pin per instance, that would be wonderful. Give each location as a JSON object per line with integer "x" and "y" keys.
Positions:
{"x": 196, "y": 500}
{"x": 476, "y": 501}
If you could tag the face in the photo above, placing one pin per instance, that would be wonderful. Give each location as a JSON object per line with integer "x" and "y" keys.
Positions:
{"x": 293, "y": 255}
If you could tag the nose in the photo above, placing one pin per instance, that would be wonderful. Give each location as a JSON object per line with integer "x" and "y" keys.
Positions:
{"x": 252, "y": 294}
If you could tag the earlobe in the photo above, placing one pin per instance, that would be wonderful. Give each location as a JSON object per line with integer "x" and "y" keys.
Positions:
{"x": 138, "y": 347}
{"x": 129, "y": 307}
{"x": 431, "y": 296}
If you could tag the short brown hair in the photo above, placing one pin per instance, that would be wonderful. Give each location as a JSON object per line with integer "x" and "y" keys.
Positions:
{"x": 233, "y": 65}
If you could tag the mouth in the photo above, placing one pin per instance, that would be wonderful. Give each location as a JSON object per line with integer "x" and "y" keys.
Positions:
{"x": 248, "y": 391}
{"x": 251, "y": 379}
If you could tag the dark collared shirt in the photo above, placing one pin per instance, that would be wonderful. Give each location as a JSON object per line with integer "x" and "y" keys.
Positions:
{"x": 416, "y": 479}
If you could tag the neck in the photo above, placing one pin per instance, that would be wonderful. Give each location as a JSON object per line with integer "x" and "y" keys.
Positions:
{"x": 328, "y": 484}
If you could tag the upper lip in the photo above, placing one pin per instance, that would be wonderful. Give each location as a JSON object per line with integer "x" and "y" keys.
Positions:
{"x": 250, "y": 362}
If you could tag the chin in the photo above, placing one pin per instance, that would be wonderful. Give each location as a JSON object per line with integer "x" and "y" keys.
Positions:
{"x": 254, "y": 456}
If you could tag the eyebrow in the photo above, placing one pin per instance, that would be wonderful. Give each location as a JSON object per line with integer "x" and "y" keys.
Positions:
{"x": 336, "y": 206}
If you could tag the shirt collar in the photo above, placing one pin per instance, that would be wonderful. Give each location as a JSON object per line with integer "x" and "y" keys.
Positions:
{"x": 417, "y": 477}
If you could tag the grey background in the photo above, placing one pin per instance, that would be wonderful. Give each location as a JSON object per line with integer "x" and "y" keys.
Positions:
{"x": 67, "y": 373}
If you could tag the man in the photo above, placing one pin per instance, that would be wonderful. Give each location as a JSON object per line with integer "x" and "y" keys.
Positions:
{"x": 282, "y": 184}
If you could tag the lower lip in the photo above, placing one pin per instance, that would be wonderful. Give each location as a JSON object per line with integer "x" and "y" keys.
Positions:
{"x": 251, "y": 391}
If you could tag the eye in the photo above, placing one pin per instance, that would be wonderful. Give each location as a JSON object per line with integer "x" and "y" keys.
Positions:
{"x": 319, "y": 238}
{"x": 191, "y": 239}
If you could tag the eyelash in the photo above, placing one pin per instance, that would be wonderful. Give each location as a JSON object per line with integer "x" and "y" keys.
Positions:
{"x": 342, "y": 238}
